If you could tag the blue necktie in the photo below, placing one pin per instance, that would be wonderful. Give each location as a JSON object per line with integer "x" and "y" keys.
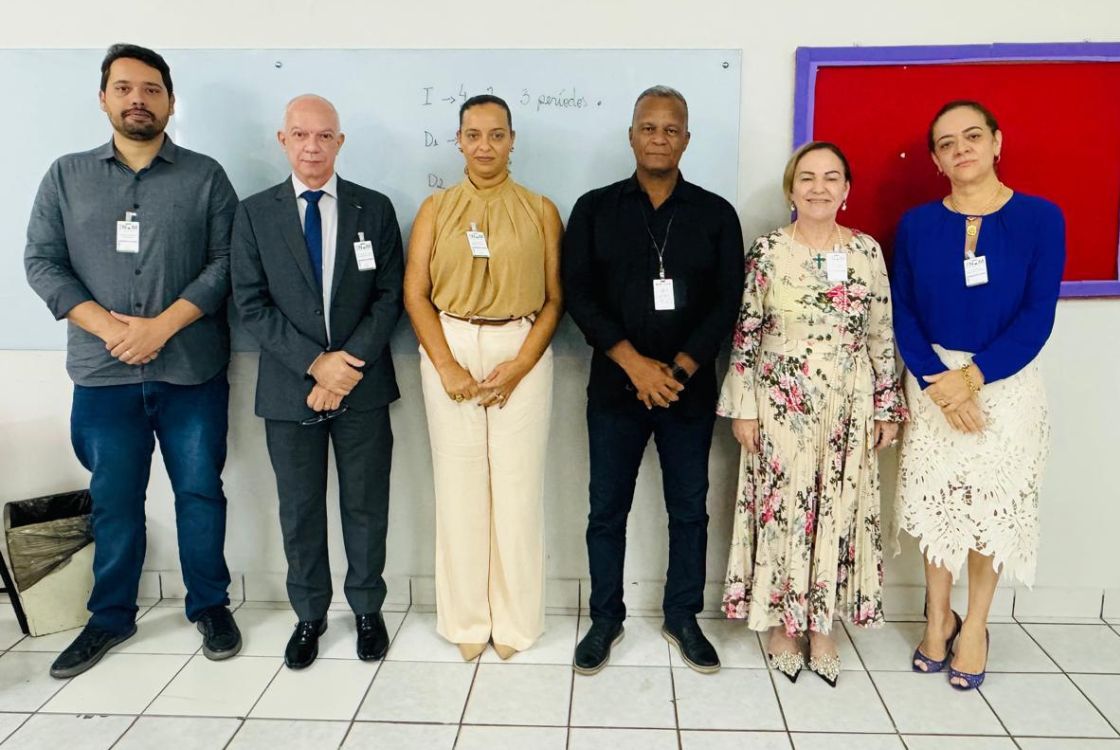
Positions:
{"x": 313, "y": 233}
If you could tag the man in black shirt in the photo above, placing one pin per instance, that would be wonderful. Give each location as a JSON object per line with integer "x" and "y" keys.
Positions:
{"x": 653, "y": 276}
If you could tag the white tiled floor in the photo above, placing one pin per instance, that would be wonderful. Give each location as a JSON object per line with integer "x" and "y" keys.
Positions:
{"x": 1051, "y": 686}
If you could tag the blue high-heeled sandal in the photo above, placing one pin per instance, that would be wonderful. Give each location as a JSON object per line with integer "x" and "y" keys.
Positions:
{"x": 934, "y": 665}
{"x": 972, "y": 681}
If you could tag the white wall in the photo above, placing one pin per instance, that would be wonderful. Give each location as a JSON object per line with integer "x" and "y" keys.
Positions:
{"x": 1079, "y": 558}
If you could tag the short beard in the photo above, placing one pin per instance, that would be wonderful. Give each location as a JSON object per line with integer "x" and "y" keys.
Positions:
{"x": 146, "y": 131}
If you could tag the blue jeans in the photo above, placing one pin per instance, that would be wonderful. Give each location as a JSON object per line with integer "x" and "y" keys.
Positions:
{"x": 113, "y": 430}
{"x": 617, "y": 438}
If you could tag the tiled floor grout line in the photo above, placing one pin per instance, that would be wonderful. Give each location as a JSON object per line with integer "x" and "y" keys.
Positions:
{"x": 774, "y": 686}
{"x": 673, "y": 692}
{"x": 18, "y": 727}
{"x": 572, "y": 689}
{"x": 245, "y": 719}
{"x": 1072, "y": 681}
{"x": 984, "y": 697}
{"x": 578, "y": 617}
{"x": 131, "y": 724}
{"x": 467, "y": 700}
{"x": 160, "y": 691}
{"x": 874, "y": 685}
{"x": 242, "y": 720}
{"x": 1091, "y": 703}
{"x": 376, "y": 672}
{"x": 891, "y": 716}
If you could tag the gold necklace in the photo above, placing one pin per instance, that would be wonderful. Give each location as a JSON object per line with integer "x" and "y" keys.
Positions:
{"x": 972, "y": 227}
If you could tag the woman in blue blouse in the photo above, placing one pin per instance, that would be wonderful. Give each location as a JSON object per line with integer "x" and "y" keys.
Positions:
{"x": 975, "y": 285}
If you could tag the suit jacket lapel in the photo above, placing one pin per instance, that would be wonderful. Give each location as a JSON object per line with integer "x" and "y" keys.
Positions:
{"x": 348, "y": 210}
{"x": 288, "y": 213}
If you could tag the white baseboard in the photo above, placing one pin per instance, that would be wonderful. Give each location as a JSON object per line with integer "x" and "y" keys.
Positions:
{"x": 899, "y": 601}
{"x": 272, "y": 587}
{"x": 1058, "y": 602}
{"x": 559, "y": 593}
{"x": 1111, "y": 607}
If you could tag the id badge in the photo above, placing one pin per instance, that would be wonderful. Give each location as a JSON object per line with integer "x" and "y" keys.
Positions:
{"x": 663, "y": 294}
{"x": 976, "y": 271}
{"x": 837, "y": 266}
{"x": 477, "y": 241}
{"x": 128, "y": 234}
{"x": 363, "y": 252}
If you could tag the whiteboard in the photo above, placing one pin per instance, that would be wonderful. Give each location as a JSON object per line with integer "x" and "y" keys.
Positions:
{"x": 399, "y": 110}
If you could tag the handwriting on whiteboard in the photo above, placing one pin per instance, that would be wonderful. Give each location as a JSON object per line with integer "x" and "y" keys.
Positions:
{"x": 563, "y": 99}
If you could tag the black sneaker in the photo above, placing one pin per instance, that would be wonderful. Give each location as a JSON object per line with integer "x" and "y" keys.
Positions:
{"x": 220, "y": 637}
{"x": 86, "y": 650}
{"x": 594, "y": 651}
{"x": 696, "y": 650}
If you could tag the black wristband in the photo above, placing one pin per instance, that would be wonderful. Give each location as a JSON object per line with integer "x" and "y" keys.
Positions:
{"x": 679, "y": 373}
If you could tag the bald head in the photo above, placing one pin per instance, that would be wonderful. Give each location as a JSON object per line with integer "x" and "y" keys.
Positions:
{"x": 311, "y": 138}
{"x": 310, "y": 102}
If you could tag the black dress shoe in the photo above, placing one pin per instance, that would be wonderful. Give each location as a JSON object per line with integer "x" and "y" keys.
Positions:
{"x": 220, "y": 637}
{"x": 303, "y": 646}
{"x": 594, "y": 651}
{"x": 696, "y": 650}
{"x": 86, "y": 650}
{"x": 373, "y": 638}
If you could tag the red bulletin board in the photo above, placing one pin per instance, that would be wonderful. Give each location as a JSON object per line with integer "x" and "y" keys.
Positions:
{"x": 1061, "y": 126}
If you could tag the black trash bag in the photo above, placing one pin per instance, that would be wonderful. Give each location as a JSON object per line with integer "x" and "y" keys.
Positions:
{"x": 44, "y": 533}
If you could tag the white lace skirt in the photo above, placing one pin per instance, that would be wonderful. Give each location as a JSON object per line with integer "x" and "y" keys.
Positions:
{"x": 959, "y": 491}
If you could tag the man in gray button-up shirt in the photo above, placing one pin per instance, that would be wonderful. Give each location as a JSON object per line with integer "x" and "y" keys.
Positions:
{"x": 130, "y": 243}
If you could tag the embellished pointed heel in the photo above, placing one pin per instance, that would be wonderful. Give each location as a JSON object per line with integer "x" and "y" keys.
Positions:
{"x": 789, "y": 663}
{"x": 935, "y": 665}
{"x": 972, "y": 681}
{"x": 826, "y": 667}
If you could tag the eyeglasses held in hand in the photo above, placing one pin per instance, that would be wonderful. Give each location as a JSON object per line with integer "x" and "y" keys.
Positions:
{"x": 325, "y": 415}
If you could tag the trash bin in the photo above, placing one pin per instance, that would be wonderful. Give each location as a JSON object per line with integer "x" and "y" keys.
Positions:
{"x": 50, "y": 551}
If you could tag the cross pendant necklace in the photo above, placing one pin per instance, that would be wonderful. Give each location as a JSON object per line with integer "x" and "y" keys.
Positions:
{"x": 818, "y": 258}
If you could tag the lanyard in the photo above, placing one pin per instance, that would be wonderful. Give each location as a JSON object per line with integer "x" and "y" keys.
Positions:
{"x": 664, "y": 243}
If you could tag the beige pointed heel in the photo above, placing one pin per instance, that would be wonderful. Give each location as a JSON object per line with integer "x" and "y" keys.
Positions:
{"x": 504, "y": 651}
{"x": 471, "y": 651}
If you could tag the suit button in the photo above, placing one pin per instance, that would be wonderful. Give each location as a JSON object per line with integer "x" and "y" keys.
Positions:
{"x": 318, "y": 312}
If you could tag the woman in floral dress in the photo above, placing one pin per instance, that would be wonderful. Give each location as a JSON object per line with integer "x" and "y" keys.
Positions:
{"x": 813, "y": 395}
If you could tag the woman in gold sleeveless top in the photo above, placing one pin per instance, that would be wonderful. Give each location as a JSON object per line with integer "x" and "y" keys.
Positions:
{"x": 482, "y": 287}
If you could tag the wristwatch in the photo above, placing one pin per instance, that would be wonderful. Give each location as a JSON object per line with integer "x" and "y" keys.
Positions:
{"x": 679, "y": 373}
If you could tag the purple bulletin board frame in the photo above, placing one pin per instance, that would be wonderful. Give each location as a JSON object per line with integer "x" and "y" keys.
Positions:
{"x": 811, "y": 59}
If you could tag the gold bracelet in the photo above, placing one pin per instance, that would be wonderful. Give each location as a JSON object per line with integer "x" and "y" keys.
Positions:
{"x": 972, "y": 386}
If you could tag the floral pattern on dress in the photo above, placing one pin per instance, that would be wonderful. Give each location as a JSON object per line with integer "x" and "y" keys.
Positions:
{"x": 813, "y": 361}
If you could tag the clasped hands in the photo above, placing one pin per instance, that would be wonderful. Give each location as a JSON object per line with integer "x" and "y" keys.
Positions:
{"x": 336, "y": 375}
{"x": 136, "y": 341}
{"x": 950, "y": 392}
{"x": 653, "y": 380}
{"x": 493, "y": 390}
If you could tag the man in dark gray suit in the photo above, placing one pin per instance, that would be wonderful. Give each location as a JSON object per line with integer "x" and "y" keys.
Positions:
{"x": 317, "y": 268}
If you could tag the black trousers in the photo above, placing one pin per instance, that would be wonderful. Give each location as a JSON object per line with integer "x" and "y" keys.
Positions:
{"x": 617, "y": 437}
{"x": 363, "y": 448}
